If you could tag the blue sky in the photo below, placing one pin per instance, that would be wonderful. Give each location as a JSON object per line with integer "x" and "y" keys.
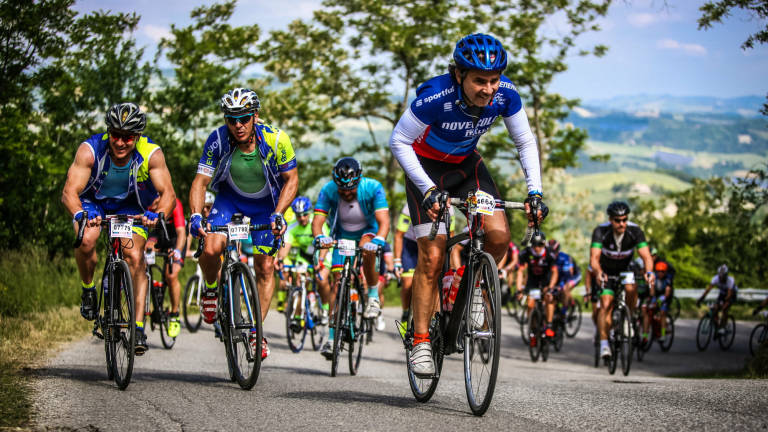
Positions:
{"x": 654, "y": 46}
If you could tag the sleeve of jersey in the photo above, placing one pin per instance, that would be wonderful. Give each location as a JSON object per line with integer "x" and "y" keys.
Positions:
{"x": 641, "y": 241}
{"x": 597, "y": 242}
{"x": 520, "y": 132}
{"x": 323, "y": 204}
{"x": 286, "y": 157}
{"x": 210, "y": 158}
{"x": 407, "y": 130}
{"x": 380, "y": 201}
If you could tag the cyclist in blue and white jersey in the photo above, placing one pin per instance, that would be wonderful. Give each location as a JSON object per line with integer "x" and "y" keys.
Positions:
{"x": 119, "y": 171}
{"x": 435, "y": 143}
{"x": 728, "y": 292}
{"x": 568, "y": 273}
{"x": 357, "y": 209}
{"x": 252, "y": 168}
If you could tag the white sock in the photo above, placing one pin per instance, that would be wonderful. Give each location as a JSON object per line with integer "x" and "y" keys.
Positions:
{"x": 603, "y": 343}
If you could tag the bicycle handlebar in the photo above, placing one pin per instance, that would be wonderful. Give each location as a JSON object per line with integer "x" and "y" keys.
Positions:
{"x": 83, "y": 222}
{"x": 225, "y": 228}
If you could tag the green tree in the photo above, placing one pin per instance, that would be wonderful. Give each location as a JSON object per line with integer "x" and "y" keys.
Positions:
{"x": 208, "y": 58}
{"x": 363, "y": 59}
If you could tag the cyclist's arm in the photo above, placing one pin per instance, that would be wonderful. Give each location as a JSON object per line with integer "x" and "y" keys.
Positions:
{"x": 407, "y": 130}
{"x": 594, "y": 261}
{"x": 181, "y": 238}
{"x": 520, "y": 132}
{"x": 555, "y": 275}
{"x": 397, "y": 249}
{"x": 645, "y": 254}
{"x": 197, "y": 193}
{"x": 284, "y": 251}
{"x": 382, "y": 218}
{"x": 288, "y": 193}
{"x": 77, "y": 179}
{"x": 161, "y": 179}
{"x": 520, "y": 271}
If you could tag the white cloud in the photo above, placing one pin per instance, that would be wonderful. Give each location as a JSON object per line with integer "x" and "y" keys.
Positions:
{"x": 690, "y": 49}
{"x": 155, "y": 32}
{"x": 641, "y": 20}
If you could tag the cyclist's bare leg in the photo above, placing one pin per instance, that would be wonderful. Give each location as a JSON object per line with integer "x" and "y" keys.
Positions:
{"x": 549, "y": 300}
{"x": 496, "y": 235}
{"x": 425, "y": 277}
{"x": 405, "y": 291}
{"x": 604, "y": 321}
{"x": 646, "y": 313}
{"x": 631, "y": 291}
{"x": 324, "y": 285}
{"x": 85, "y": 255}
{"x": 175, "y": 288}
{"x": 264, "y": 266}
{"x": 133, "y": 252}
{"x": 210, "y": 260}
{"x": 369, "y": 263}
{"x": 668, "y": 296}
{"x": 334, "y": 290}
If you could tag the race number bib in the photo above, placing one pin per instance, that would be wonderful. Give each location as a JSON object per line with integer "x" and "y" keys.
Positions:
{"x": 121, "y": 229}
{"x": 238, "y": 232}
{"x": 486, "y": 204}
{"x": 346, "y": 247}
{"x": 627, "y": 277}
{"x": 535, "y": 294}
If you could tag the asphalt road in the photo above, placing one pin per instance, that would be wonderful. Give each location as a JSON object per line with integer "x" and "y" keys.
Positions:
{"x": 186, "y": 388}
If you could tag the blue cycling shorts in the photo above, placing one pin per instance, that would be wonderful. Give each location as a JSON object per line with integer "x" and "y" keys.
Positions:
{"x": 337, "y": 261}
{"x": 228, "y": 202}
{"x": 113, "y": 207}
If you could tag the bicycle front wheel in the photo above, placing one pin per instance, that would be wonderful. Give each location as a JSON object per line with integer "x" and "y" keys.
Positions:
{"x": 534, "y": 329}
{"x": 341, "y": 309}
{"x": 624, "y": 341}
{"x": 483, "y": 329}
{"x": 295, "y": 325}
{"x": 121, "y": 324}
{"x": 190, "y": 305}
{"x": 358, "y": 332}
{"x": 666, "y": 345}
{"x": 674, "y": 309}
{"x": 757, "y": 338}
{"x": 726, "y": 340}
{"x": 704, "y": 333}
{"x": 244, "y": 336}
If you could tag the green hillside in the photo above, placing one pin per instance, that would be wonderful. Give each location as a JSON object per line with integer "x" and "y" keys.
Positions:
{"x": 605, "y": 187}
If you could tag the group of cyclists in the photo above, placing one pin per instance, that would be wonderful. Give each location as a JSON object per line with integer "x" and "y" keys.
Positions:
{"x": 252, "y": 169}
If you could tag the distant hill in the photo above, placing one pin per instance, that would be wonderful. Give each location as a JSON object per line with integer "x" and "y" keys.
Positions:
{"x": 745, "y": 106}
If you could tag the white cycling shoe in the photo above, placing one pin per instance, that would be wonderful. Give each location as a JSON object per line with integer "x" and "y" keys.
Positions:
{"x": 422, "y": 364}
{"x": 380, "y": 323}
{"x": 373, "y": 309}
{"x": 605, "y": 352}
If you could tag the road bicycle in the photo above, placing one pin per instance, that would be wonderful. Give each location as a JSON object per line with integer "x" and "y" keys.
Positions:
{"x": 707, "y": 330}
{"x": 157, "y": 285}
{"x": 759, "y": 334}
{"x": 303, "y": 309}
{"x": 655, "y": 331}
{"x": 116, "y": 322}
{"x": 239, "y": 311}
{"x": 621, "y": 333}
{"x": 473, "y": 326}
{"x": 539, "y": 343}
{"x": 350, "y": 328}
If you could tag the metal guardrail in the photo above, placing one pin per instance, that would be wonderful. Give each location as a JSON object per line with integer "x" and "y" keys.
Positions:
{"x": 745, "y": 294}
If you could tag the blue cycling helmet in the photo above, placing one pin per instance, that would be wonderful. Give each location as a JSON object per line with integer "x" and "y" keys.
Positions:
{"x": 301, "y": 205}
{"x": 480, "y": 51}
{"x": 347, "y": 173}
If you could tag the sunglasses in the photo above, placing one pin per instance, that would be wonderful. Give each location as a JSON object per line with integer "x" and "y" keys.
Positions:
{"x": 123, "y": 136}
{"x": 233, "y": 120}
{"x": 623, "y": 220}
{"x": 301, "y": 215}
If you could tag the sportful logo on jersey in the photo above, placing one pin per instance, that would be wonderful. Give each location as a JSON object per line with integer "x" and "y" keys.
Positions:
{"x": 447, "y": 107}
{"x": 435, "y": 96}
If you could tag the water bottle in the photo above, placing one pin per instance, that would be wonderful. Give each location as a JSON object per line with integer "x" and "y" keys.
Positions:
{"x": 447, "y": 282}
{"x": 353, "y": 295}
{"x": 312, "y": 300}
{"x": 454, "y": 288}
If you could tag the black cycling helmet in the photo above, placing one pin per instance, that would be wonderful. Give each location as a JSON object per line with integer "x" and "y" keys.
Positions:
{"x": 539, "y": 239}
{"x": 554, "y": 246}
{"x": 127, "y": 117}
{"x": 347, "y": 173}
{"x": 618, "y": 208}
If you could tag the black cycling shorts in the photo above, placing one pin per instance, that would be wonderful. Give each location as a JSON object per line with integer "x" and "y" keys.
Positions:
{"x": 458, "y": 180}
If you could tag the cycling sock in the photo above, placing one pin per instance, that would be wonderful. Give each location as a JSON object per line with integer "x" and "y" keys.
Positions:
{"x": 140, "y": 325}
{"x": 663, "y": 331}
{"x": 330, "y": 334}
{"x": 88, "y": 286}
{"x": 645, "y": 335}
{"x": 603, "y": 343}
{"x": 373, "y": 292}
{"x": 281, "y": 296}
{"x": 211, "y": 285}
{"x": 420, "y": 337}
{"x": 173, "y": 314}
{"x": 326, "y": 306}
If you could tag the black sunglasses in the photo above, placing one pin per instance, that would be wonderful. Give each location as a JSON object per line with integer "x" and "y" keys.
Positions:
{"x": 125, "y": 136}
{"x": 617, "y": 220}
{"x": 239, "y": 119}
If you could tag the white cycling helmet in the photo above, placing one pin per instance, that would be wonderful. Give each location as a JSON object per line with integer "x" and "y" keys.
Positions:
{"x": 209, "y": 198}
{"x": 239, "y": 101}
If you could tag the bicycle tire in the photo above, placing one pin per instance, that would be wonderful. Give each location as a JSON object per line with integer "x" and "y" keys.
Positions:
{"x": 596, "y": 344}
{"x": 523, "y": 308}
{"x": 625, "y": 342}
{"x": 101, "y": 321}
{"x": 154, "y": 316}
{"x": 165, "y": 318}
{"x": 573, "y": 319}
{"x": 674, "y": 310}
{"x": 524, "y": 325}
{"x": 703, "y": 333}
{"x": 480, "y": 382}
{"x": 341, "y": 309}
{"x": 559, "y": 328}
{"x": 508, "y": 300}
{"x": 726, "y": 340}
{"x": 245, "y": 359}
{"x": 757, "y": 338}
{"x": 359, "y": 333}
{"x": 666, "y": 345}
{"x": 121, "y": 322}
{"x": 295, "y": 338}
{"x": 318, "y": 331}
{"x": 190, "y": 306}
{"x": 612, "y": 341}
{"x": 534, "y": 329}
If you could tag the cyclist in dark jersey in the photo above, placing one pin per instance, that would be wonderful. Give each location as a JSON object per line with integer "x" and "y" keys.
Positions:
{"x": 542, "y": 274}
{"x": 612, "y": 248}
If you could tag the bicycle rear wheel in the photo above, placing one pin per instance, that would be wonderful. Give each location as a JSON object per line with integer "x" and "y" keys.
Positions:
{"x": 666, "y": 345}
{"x": 704, "y": 333}
{"x": 121, "y": 324}
{"x": 295, "y": 325}
{"x": 559, "y": 328}
{"x": 190, "y": 306}
{"x": 674, "y": 308}
{"x": 757, "y": 338}
{"x": 244, "y": 334}
{"x": 573, "y": 319}
{"x": 483, "y": 326}
{"x": 318, "y": 331}
{"x": 341, "y": 309}
{"x": 726, "y": 340}
{"x": 358, "y": 334}
{"x": 159, "y": 296}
